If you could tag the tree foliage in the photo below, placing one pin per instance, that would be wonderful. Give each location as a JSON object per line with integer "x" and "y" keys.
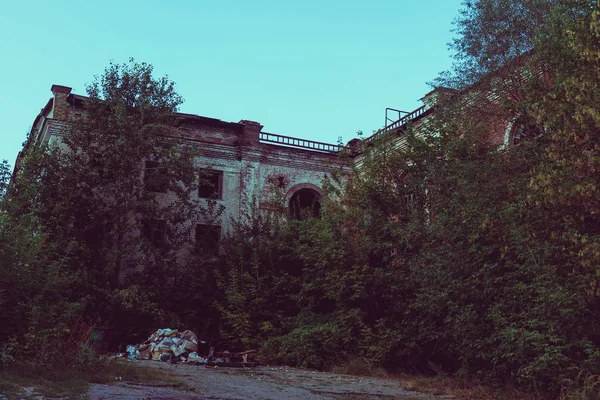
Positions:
{"x": 120, "y": 223}
{"x": 444, "y": 253}
{"x": 448, "y": 252}
{"x": 98, "y": 226}
{"x": 490, "y": 34}
{"x": 4, "y": 177}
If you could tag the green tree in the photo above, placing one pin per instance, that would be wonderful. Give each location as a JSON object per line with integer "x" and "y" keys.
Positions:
{"x": 36, "y": 306}
{"x": 119, "y": 194}
{"x": 533, "y": 241}
{"x": 5, "y": 172}
{"x": 491, "y": 34}
{"x": 99, "y": 225}
{"x": 491, "y": 273}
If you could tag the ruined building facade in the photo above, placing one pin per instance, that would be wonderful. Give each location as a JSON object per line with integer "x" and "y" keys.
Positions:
{"x": 241, "y": 163}
{"x": 500, "y": 129}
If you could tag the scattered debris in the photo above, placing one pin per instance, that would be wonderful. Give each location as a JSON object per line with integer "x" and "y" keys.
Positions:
{"x": 170, "y": 345}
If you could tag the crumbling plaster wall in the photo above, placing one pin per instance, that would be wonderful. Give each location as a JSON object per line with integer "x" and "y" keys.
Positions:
{"x": 255, "y": 176}
{"x": 287, "y": 170}
{"x": 249, "y": 167}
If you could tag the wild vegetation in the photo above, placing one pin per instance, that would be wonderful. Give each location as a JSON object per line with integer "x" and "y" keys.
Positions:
{"x": 84, "y": 240}
{"x": 448, "y": 254}
{"x": 445, "y": 255}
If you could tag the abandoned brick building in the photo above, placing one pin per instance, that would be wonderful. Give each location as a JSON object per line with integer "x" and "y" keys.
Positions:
{"x": 501, "y": 130}
{"x": 241, "y": 161}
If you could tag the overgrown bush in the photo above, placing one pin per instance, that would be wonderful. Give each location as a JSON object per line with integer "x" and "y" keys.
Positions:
{"x": 444, "y": 255}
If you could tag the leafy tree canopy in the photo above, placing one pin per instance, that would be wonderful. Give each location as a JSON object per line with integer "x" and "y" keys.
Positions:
{"x": 4, "y": 177}
{"x": 490, "y": 34}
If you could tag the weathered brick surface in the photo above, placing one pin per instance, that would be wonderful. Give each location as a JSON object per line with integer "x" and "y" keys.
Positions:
{"x": 249, "y": 167}
{"x": 60, "y": 106}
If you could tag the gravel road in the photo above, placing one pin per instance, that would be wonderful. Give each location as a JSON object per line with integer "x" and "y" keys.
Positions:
{"x": 261, "y": 383}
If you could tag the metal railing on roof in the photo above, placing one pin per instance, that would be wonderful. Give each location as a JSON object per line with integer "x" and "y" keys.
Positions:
{"x": 334, "y": 148}
{"x": 399, "y": 123}
{"x": 299, "y": 143}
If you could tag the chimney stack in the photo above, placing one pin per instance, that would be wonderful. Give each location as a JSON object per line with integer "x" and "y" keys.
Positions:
{"x": 251, "y": 131}
{"x": 60, "y": 107}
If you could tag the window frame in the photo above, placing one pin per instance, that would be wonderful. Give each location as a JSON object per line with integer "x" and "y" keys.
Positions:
{"x": 211, "y": 232}
{"x": 150, "y": 227}
{"x": 154, "y": 174}
{"x": 524, "y": 124}
{"x": 208, "y": 175}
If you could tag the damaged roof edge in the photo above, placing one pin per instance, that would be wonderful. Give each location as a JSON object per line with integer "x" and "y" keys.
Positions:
{"x": 76, "y": 100}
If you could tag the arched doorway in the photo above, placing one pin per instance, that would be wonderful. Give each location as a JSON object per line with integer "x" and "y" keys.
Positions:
{"x": 305, "y": 203}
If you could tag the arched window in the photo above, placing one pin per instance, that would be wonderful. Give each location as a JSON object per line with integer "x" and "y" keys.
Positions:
{"x": 305, "y": 203}
{"x": 524, "y": 129}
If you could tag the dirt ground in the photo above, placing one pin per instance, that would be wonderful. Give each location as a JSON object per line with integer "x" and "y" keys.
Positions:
{"x": 268, "y": 383}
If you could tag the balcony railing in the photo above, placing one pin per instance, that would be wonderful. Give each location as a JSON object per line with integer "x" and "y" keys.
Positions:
{"x": 299, "y": 143}
{"x": 399, "y": 123}
{"x": 334, "y": 148}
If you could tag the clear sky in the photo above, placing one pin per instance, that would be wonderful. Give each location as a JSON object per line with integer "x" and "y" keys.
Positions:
{"x": 310, "y": 69}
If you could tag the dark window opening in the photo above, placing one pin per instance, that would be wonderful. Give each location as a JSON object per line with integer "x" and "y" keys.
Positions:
{"x": 409, "y": 191}
{"x": 409, "y": 201}
{"x": 97, "y": 235}
{"x": 99, "y": 164}
{"x": 304, "y": 204}
{"x": 281, "y": 181}
{"x": 208, "y": 238}
{"x": 155, "y": 177}
{"x": 525, "y": 130}
{"x": 155, "y": 230}
{"x": 211, "y": 185}
{"x": 591, "y": 224}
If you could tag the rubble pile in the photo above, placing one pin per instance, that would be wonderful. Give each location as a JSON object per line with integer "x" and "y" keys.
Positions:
{"x": 170, "y": 345}
{"x": 167, "y": 345}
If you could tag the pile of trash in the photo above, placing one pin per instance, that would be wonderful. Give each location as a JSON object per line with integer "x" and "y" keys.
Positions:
{"x": 167, "y": 345}
{"x": 170, "y": 345}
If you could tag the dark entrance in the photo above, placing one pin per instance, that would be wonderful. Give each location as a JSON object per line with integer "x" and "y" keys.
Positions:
{"x": 305, "y": 204}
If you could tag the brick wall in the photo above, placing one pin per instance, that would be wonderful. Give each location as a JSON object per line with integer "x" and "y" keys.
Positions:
{"x": 248, "y": 166}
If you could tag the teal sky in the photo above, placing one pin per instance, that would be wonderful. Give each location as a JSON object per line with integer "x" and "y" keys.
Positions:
{"x": 310, "y": 69}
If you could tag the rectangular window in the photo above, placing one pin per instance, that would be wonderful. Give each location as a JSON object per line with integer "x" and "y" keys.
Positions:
{"x": 97, "y": 234}
{"x": 409, "y": 201}
{"x": 210, "y": 185}
{"x": 99, "y": 164}
{"x": 155, "y": 230}
{"x": 155, "y": 177}
{"x": 208, "y": 238}
{"x": 409, "y": 193}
